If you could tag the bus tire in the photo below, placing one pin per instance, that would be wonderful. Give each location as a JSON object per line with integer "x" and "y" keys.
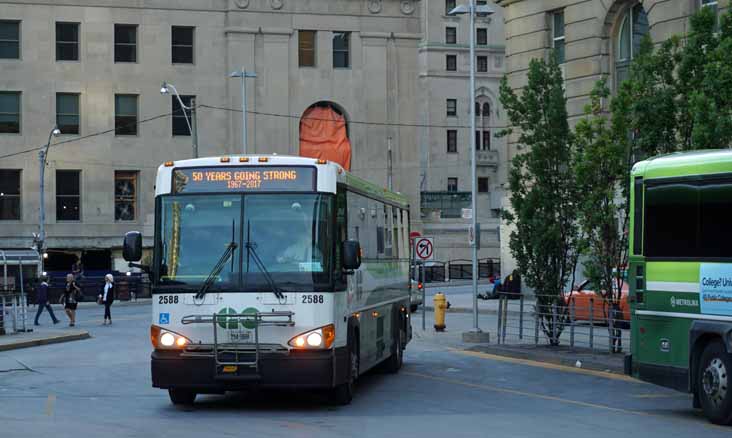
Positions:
{"x": 343, "y": 393}
{"x": 180, "y": 396}
{"x": 395, "y": 361}
{"x": 714, "y": 383}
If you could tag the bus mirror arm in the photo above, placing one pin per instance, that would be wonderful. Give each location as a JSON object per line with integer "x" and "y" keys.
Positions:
{"x": 143, "y": 268}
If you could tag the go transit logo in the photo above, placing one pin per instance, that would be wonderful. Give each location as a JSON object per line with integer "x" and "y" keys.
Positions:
{"x": 228, "y": 318}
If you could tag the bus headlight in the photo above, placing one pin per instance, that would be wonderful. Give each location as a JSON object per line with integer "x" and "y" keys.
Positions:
{"x": 320, "y": 338}
{"x": 165, "y": 339}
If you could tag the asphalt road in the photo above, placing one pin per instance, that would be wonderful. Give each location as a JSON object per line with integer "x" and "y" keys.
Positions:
{"x": 101, "y": 387}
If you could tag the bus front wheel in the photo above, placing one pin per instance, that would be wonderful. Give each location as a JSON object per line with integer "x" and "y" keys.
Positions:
{"x": 181, "y": 396}
{"x": 343, "y": 393}
{"x": 713, "y": 383}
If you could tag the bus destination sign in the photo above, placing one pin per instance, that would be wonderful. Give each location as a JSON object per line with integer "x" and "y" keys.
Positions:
{"x": 244, "y": 179}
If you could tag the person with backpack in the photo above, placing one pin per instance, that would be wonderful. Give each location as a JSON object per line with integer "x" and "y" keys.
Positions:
{"x": 107, "y": 298}
{"x": 70, "y": 298}
{"x": 42, "y": 300}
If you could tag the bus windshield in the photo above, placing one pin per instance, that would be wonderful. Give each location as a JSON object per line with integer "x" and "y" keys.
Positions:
{"x": 287, "y": 236}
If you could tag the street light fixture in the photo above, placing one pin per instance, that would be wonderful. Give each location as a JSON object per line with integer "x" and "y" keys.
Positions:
{"x": 192, "y": 124}
{"x": 475, "y": 335}
{"x": 43, "y": 158}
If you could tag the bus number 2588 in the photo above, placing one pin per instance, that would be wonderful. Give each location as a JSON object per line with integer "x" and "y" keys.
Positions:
{"x": 168, "y": 299}
{"x": 313, "y": 299}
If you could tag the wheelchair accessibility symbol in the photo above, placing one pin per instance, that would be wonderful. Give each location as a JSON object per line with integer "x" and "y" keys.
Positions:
{"x": 164, "y": 318}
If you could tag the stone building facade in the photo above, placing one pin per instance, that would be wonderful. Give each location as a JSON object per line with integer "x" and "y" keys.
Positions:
{"x": 96, "y": 68}
{"x": 594, "y": 39}
{"x": 444, "y": 72}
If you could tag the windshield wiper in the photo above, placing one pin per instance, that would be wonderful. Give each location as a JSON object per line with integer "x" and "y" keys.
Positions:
{"x": 251, "y": 249}
{"x": 230, "y": 248}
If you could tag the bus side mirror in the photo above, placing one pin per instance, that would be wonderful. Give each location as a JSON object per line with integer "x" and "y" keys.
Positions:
{"x": 132, "y": 246}
{"x": 351, "y": 255}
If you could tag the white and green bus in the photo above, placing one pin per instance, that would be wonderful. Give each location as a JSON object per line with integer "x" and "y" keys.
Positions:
{"x": 681, "y": 276}
{"x": 274, "y": 271}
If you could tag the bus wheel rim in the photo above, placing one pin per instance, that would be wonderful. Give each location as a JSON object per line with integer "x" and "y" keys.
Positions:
{"x": 715, "y": 381}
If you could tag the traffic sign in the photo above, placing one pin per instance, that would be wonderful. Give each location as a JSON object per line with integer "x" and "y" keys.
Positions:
{"x": 424, "y": 248}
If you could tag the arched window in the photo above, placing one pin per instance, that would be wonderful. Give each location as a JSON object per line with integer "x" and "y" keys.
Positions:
{"x": 486, "y": 109}
{"x": 477, "y": 109}
{"x": 633, "y": 27}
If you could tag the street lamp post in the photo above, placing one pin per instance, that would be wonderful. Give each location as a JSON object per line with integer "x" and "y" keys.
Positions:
{"x": 243, "y": 74}
{"x": 192, "y": 125}
{"x": 475, "y": 335}
{"x": 42, "y": 158}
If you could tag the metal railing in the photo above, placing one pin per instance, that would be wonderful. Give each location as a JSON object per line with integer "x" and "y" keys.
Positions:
{"x": 574, "y": 321}
{"x": 13, "y": 313}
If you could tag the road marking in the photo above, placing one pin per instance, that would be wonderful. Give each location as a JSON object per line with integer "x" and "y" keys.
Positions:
{"x": 525, "y": 394}
{"x": 559, "y": 399}
{"x": 550, "y": 366}
{"x": 663, "y": 395}
{"x": 50, "y": 404}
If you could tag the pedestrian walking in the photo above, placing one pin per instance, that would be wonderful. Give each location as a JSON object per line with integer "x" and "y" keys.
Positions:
{"x": 42, "y": 300}
{"x": 107, "y": 298}
{"x": 70, "y": 298}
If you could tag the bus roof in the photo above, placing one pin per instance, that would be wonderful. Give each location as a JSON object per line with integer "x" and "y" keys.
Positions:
{"x": 680, "y": 164}
{"x": 375, "y": 190}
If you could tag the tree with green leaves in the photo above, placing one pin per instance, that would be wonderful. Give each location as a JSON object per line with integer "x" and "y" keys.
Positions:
{"x": 544, "y": 241}
{"x": 678, "y": 97}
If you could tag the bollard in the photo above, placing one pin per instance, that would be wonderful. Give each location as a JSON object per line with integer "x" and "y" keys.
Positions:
{"x": 592, "y": 323}
{"x": 500, "y": 316}
{"x": 505, "y": 319}
{"x": 440, "y": 304}
{"x": 521, "y": 317}
{"x": 571, "y": 323}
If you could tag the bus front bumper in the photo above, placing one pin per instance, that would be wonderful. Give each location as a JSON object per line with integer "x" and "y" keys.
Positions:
{"x": 296, "y": 369}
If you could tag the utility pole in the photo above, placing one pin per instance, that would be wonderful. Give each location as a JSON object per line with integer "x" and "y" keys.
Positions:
{"x": 194, "y": 127}
{"x": 389, "y": 168}
{"x": 42, "y": 157}
{"x": 243, "y": 74}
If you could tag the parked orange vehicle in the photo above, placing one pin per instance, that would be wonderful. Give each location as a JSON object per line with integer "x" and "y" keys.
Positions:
{"x": 585, "y": 297}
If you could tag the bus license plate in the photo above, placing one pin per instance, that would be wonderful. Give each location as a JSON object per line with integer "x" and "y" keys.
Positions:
{"x": 239, "y": 336}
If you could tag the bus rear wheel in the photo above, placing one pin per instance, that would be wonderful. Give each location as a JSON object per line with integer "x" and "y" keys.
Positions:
{"x": 181, "y": 396}
{"x": 713, "y": 383}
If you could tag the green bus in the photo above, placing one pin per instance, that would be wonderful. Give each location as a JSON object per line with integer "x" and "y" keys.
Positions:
{"x": 681, "y": 276}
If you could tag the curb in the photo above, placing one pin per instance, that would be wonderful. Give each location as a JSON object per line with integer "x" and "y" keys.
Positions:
{"x": 567, "y": 359}
{"x": 45, "y": 341}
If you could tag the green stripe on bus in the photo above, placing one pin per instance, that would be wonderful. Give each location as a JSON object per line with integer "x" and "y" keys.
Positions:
{"x": 687, "y": 272}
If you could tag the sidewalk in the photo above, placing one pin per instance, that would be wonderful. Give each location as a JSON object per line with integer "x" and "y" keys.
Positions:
{"x": 48, "y": 333}
{"x": 463, "y": 303}
{"x": 42, "y": 335}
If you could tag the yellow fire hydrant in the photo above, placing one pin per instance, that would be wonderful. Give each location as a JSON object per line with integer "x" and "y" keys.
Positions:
{"x": 440, "y": 303}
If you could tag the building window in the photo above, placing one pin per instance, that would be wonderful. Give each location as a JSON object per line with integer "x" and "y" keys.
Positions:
{"x": 181, "y": 44}
{"x": 714, "y": 4}
{"x": 67, "y": 41}
{"x": 68, "y": 195}
{"x": 449, "y": 6}
{"x": 452, "y": 141}
{"x": 452, "y": 184}
{"x": 558, "y": 35}
{"x": 477, "y": 140}
{"x": 482, "y": 185}
{"x": 67, "y": 113}
{"x": 125, "y": 195}
{"x": 9, "y": 195}
{"x": 180, "y": 124}
{"x": 451, "y": 107}
{"x": 486, "y": 140}
{"x": 450, "y": 35}
{"x": 9, "y": 39}
{"x": 451, "y": 62}
{"x": 486, "y": 109}
{"x": 482, "y": 64}
{"x": 341, "y": 51}
{"x": 9, "y": 112}
{"x": 482, "y": 36}
{"x": 306, "y": 48}
{"x": 125, "y": 114}
{"x": 125, "y": 43}
{"x": 633, "y": 27}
